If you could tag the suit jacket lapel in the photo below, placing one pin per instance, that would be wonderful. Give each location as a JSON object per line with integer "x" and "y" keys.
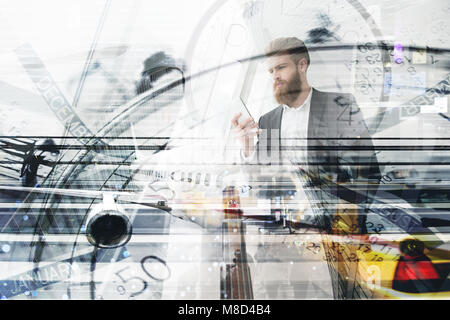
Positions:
{"x": 279, "y": 117}
{"x": 276, "y": 124}
{"x": 315, "y": 113}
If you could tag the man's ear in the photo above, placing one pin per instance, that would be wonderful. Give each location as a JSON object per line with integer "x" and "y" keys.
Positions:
{"x": 302, "y": 65}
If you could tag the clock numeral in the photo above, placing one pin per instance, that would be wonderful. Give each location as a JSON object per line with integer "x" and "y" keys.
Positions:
{"x": 122, "y": 288}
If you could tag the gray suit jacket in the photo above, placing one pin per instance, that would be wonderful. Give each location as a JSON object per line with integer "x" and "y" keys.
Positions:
{"x": 339, "y": 149}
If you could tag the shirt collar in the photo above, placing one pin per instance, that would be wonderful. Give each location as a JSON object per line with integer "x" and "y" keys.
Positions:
{"x": 302, "y": 107}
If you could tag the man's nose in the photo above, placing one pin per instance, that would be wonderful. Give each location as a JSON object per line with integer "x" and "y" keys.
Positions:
{"x": 275, "y": 76}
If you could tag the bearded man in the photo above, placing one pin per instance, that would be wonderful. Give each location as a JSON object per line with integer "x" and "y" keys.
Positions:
{"x": 323, "y": 134}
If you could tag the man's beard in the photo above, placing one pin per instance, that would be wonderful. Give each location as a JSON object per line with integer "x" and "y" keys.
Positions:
{"x": 287, "y": 94}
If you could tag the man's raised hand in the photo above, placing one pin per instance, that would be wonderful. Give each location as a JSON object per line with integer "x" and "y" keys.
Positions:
{"x": 245, "y": 132}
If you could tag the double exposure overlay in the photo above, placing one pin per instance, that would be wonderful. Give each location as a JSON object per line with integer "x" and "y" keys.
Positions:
{"x": 232, "y": 149}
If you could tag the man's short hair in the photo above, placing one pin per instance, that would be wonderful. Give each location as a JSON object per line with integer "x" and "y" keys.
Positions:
{"x": 292, "y": 46}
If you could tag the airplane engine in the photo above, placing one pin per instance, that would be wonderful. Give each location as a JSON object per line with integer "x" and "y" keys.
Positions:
{"x": 108, "y": 226}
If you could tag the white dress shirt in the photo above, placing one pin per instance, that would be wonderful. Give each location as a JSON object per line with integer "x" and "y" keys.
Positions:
{"x": 294, "y": 131}
{"x": 293, "y": 134}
